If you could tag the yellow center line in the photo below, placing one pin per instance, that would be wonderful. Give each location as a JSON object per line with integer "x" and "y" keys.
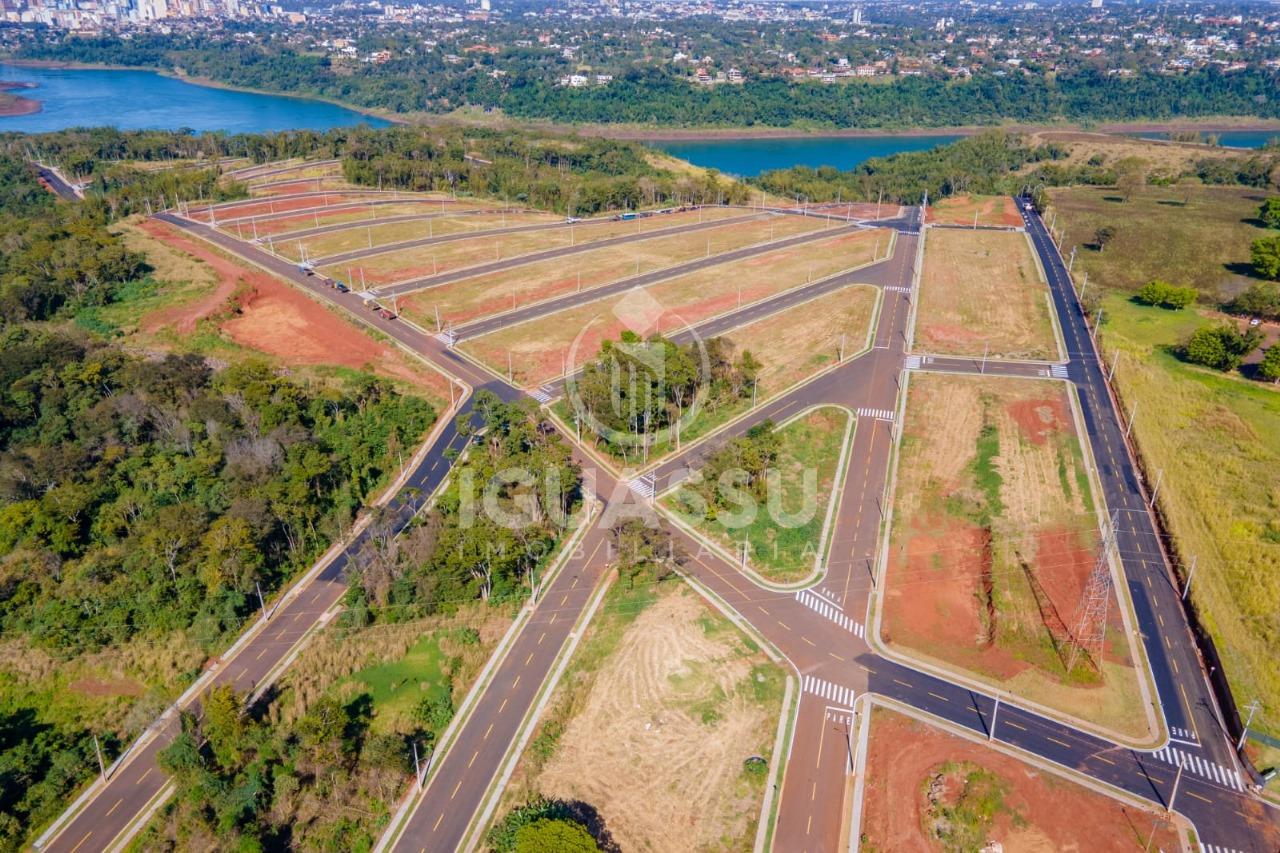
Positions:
{"x": 867, "y": 668}
{"x": 116, "y": 806}
{"x": 903, "y": 683}
{"x": 1058, "y": 742}
{"x": 503, "y": 705}
{"x": 1198, "y": 797}
{"x": 1101, "y": 758}
{"x": 514, "y": 683}
{"x": 836, "y": 656}
{"x": 936, "y": 696}
{"x": 1015, "y": 725}
{"x": 784, "y": 625}
{"x": 542, "y": 637}
{"x": 810, "y": 642}
{"x": 82, "y": 841}
{"x": 808, "y": 826}
{"x": 473, "y": 758}
{"x": 260, "y": 654}
{"x": 436, "y": 826}
{"x": 529, "y": 658}
{"x": 455, "y": 789}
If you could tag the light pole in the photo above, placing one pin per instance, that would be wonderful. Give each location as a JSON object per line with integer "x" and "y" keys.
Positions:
{"x": 1253, "y": 709}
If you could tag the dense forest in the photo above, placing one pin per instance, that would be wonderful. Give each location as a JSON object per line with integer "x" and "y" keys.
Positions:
{"x": 143, "y": 496}
{"x": 648, "y": 95}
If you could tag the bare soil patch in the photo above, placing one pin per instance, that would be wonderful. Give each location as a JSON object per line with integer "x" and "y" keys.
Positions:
{"x": 988, "y": 210}
{"x": 915, "y": 771}
{"x": 994, "y": 535}
{"x": 981, "y": 291}
{"x": 279, "y": 320}
{"x": 229, "y": 277}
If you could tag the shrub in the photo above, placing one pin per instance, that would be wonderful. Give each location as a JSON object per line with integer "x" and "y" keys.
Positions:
{"x": 1265, "y": 255}
{"x": 1221, "y": 347}
{"x": 1166, "y": 295}
{"x": 1269, "y": 212}
{"x": 1261, "y": 299}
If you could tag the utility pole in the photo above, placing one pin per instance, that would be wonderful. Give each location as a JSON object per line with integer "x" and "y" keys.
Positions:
{"x": 1072, "y": 260}
{"x": 1133, "y": 411}
{"x": 1085, "y": 285}
{"x": 1173, "y": 795}
{"x": 991, "y": 730}
{"x": 1253, "y": 709}
{"x": 1186, "y": 588}
{"x": 261, "y": 603}
{"x": 986, "y": 346}
{"x": 1155, "y": 493}
{"x": 1115, "y": 361}
{"x": 102, "y": 765}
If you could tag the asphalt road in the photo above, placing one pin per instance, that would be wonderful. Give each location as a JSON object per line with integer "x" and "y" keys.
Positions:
{"x": 821, "y": 630}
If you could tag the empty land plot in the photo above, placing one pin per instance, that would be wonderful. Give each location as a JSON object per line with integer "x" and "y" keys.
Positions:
{"x": 799, "y": 341}
{"x": 267, "y": 190}
{"x": 472, "y": 298}
{"x": 301, "y": 173}
{"x": 930, "y": 790}
{"x": 339, "y": 214}
{"x": 422, "y": 261}
{"x": 267, "y": 206}
{"x": 994, "y": 535}
{"x": 540, "y": 349}
{"x": 785, "y": 533}
{"x": 968, "y": 209}
{"x": 981, "y": 292}
{"x": 372, "y": 236}
{"x": 653, "y": 723}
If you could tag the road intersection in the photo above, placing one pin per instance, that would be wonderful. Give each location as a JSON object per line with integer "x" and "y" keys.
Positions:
{"x": 826, "y": 631}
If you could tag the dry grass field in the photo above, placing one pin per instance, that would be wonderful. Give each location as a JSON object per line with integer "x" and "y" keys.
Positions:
{"x": 541, "y": 349}
{"x": 373, "y": 235}
{"x": 480, "y": 296}
{"x": 652, "y": 723}
{"x": 968, "y": 209}
{"x": 795, "y": 343}
{"x": 993, "y": 537}
{"x": 982, "y": 291}
{"x": 1161, "y": 158}
{"x": 927, "y": 790}
{"x": 413, "y": 263}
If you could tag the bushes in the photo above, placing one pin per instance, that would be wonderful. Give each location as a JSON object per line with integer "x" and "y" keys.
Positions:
{"x": 540, "y": 825}
{"x": 1166, "y": 295}
{"x": 1221, "y": 347}
{"x": 1265, "y": 256}
{"x": 1269, "y": 212}
{"x": 1259, "y": 300}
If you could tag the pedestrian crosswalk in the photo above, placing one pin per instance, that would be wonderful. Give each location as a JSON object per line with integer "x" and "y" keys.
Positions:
{"x": 1058, "y": 371}
{"x": 912, "y": 362}
{"x": 825, "y": 608}
{"x": 879, "y": 414}
{"x": 893, "y": 288}
{"x": 1203, "y": 767}
{"x": 1214, "y": 848}
{"x": 842, "y": 696}
{"x": 542, "y": 394}
{"x": 446, "y": 338}
{"x": 642, "y": 486}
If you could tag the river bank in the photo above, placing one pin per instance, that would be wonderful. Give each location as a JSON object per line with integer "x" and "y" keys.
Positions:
{"x": 17, "y": 105}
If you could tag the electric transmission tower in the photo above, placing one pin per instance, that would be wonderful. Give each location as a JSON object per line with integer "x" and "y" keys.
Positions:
{"x": 1091, "y": 622}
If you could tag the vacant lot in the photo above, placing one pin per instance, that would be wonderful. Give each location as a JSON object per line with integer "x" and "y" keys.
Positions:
{"x": 1217, "y": 440}
{"x": 200, "y": 300}
{"x": 994, "y": 534}
{"x": 266, "y": 207}
{"x": 430, "y": 260}
{"x": 968, "y": 209}
{"x": 982, "y": 291}
{"x": 483, "y": 295}
{"x": 662, "y": 705}
{"x": 1160, "y": 158}
{"x": 539, "y": 350}
{"x": 799, "y": 341}
{"x": 1203, "y": 243}
{"x": 372, "y": 236}
{"x": 338, "y": 214}
{"x": 786, "y": 534}
{"x": 927, "y": 790}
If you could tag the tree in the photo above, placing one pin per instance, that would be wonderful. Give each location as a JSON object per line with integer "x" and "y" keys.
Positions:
{"x": 1131, "y": 176}
{"x": 550, "y": 835}
{"x": 1265, "y": 255}
{"x": 1269, "y": 369}
{"x": 1166, "y": 295}
{"x": 1260, "y": 299}
{"x": 1221, "y": 346}
{"x": 1269, "y": 212}
{"x": 1103, "y": 236}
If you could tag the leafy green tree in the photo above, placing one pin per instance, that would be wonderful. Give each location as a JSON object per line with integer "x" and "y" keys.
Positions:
{"x": 1221, "y": 346}
{"x": 1260, "y": 299}
{"x": 1166, "y": 295}
{"x": 554, "y": 836}
{"x": 1265, "y": 255}
{"x": 1103, "y": 236}
{"x": 1269, "y": 368}
{"x": 1269, "y": 212}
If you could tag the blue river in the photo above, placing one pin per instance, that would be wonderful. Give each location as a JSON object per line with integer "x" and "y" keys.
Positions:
{"x": 747, "y": 158}
{"x": 132, "y": 100}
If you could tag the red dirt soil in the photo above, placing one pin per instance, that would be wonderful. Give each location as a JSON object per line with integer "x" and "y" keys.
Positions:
{"x": 279, "y": 320}
{"x": 859, "y": 210}
{"x": 239, "y": 210}
{"x": 905, "y": 754}
{"x": 931, "y": 594}
{"x": 185, "y": 317}
{"x": 992, "y": 210}
{"x": 1039, "y": 419}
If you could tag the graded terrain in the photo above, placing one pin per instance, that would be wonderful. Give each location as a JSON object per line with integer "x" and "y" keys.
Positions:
{"x": 982, "y": 292}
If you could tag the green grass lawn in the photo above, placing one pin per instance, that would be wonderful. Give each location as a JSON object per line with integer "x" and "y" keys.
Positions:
{"x": 1203, "y": 243}
{"x": 397, "y": 686}
{"x": 1217, "y": 439}
{"x": 810, "y": 449}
